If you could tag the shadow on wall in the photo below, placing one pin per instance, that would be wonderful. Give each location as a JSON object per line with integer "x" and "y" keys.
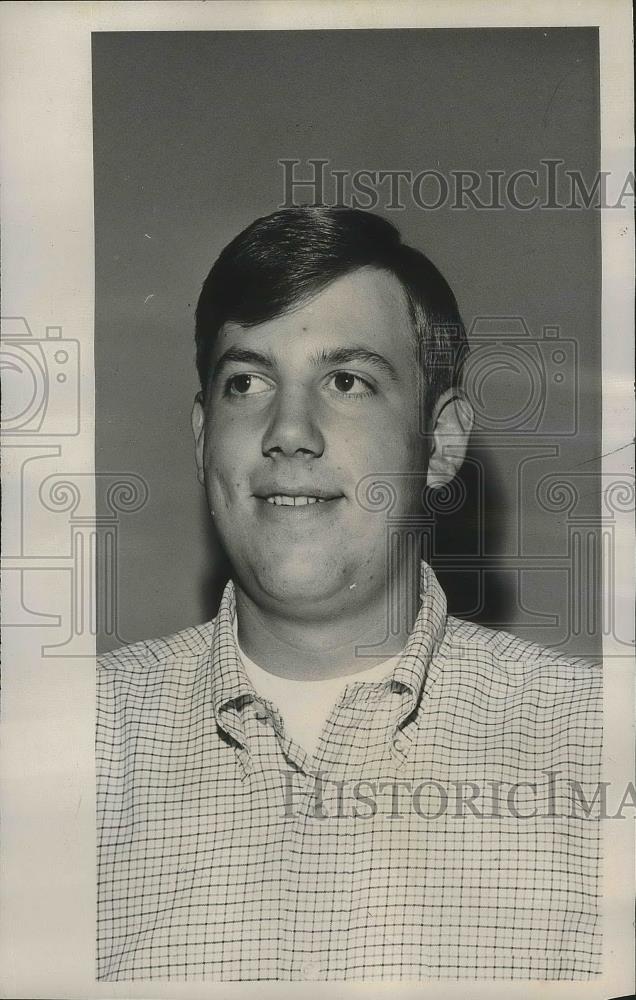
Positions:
{"x": 469, "y": 537}
{"x": 469, "y": 522}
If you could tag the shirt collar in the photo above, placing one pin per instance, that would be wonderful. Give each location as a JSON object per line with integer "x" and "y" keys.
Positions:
{"x": 426, "y": 635}
{"x": 231, "y": 687}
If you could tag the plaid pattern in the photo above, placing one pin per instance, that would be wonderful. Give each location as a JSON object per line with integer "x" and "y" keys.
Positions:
{"x": 428, "y": 837}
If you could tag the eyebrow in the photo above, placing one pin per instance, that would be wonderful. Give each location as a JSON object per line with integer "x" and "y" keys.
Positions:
{"x": 239, "y": 355}
{"x": 347, "y": 355}
{"x": 337, "y": 356}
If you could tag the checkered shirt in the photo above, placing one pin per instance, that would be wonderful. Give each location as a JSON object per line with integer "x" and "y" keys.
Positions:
{"x": 434, "y": 833}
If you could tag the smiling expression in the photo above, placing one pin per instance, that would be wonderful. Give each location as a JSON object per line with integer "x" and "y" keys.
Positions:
{"x": 299, "y": 409}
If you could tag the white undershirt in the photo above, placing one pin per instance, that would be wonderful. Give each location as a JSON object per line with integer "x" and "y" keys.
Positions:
{"x": 305, "y": 705}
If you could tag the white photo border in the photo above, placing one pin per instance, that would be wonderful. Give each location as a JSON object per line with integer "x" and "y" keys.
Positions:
{"x": 47, "y": 930}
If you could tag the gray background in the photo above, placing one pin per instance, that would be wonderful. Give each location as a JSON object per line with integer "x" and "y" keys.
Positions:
{"x": 188, "y": 131}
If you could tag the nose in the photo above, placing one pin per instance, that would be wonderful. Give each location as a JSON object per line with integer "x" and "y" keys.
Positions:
{"x": 293, "y": 428}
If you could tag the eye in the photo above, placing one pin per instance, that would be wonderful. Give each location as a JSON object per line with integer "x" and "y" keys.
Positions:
{"x": 246, "y": 384}
{"x": 347, "y": 384}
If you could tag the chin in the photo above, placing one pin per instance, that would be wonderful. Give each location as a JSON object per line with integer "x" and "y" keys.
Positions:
{"x": 302, "y": 581}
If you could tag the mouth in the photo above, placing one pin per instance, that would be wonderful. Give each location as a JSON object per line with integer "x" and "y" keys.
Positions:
{"x": 297, "y": 500}
{"x": 281, "y": 500}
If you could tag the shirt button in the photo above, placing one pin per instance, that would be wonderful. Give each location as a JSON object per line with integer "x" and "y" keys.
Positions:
{"x": 399, "y": 744}
{"x": 311, "y": 970}
{"x": 261, "y": 713}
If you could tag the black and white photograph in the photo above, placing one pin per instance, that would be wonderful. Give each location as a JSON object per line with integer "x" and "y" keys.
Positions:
{"x": 318, "y": 450}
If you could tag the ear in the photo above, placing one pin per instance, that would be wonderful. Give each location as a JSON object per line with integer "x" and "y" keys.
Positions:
{"x": 198, "y": 429}
{"x": 451, "y": 423}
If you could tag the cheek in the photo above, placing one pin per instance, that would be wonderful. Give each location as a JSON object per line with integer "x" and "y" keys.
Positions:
{"x": 223, "y": 469}
{"x": 397, "y": 460}
{"x": 417, "y": 451}
{"x": 383, "y": 448}
{"x": 229, "y": 443}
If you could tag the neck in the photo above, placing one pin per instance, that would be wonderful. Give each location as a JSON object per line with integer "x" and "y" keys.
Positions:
{"x": 289, "y": 646}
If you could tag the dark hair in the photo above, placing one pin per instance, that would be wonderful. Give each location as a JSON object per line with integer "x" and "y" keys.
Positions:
{"x": 289, "y": 256}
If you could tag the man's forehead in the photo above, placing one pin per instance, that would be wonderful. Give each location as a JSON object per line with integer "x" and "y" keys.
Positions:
{"x": 367, "y": 303}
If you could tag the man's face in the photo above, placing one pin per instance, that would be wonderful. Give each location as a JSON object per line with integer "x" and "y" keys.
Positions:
{"x": 299, "y": 410}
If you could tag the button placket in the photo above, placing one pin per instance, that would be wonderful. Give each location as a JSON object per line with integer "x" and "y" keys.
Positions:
{"x": 266, "y": 713}
{"x": 262, "y": 714}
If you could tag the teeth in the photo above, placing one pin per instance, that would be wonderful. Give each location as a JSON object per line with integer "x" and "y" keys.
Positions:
{"x": 280, "y": 500}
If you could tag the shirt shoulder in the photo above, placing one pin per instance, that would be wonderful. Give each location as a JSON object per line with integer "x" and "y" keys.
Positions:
{"x": 188, "y": 644}
{"x": 516, "y": 660}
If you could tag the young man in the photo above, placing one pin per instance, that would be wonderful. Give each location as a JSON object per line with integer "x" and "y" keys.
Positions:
{"x": 275, "y": 802}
